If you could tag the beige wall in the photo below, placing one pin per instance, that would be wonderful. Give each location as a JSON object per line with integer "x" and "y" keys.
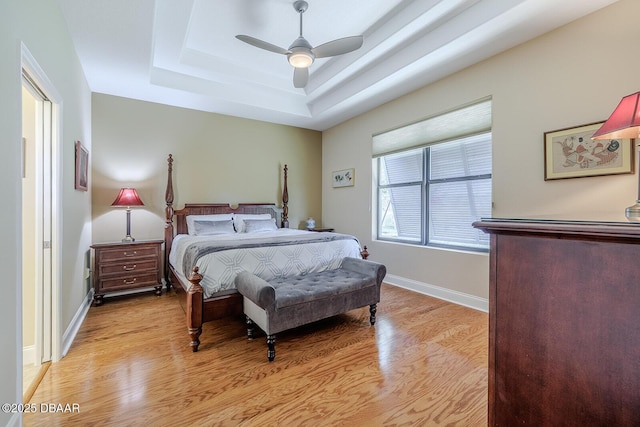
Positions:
{"x": 572, "y": 76}
{"x": 217, "y": 158}
{"x": 40, "y": 25}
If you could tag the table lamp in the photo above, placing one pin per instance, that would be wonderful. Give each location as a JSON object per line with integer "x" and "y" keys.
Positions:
{"x": 128, "y": 197}
{"x": 624, "y": 123}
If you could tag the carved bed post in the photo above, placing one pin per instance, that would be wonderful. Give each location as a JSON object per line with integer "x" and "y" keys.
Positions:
{"x": 168, "y": 226}
{"x": 194, "y": 309}
{"x": 285, "y": 201}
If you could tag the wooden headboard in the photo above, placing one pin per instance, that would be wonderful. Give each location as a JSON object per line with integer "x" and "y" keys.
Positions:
{"x": 223, "y": 208}
{"x": 281, "y": 215}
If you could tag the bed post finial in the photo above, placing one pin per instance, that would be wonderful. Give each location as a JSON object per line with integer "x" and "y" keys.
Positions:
{"x": 285, "y": 201}
{"x": 364, "y": 253}
{"x": 168, "y": 195}
{"x": 168, "y": 226}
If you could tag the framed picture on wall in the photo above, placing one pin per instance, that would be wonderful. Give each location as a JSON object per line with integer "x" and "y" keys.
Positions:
{"x": 82, "y": 167}
{"x": 571, "y": 153}
{"x": 343, "y": 178}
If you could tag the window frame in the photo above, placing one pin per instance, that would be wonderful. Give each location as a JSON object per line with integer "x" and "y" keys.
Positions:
{"x": 426, "y": 183}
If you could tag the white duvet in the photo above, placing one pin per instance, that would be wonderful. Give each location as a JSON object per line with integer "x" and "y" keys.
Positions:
{"x": 219, "y": 269}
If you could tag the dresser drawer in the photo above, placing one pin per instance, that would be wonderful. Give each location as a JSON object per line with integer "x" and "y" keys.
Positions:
{"x": 117, "y": 254}
{"x": 127, "y": 268}
{"x": 128, "y": 282}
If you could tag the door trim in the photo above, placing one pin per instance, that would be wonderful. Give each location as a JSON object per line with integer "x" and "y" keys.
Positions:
{"x": 39, "y": 77}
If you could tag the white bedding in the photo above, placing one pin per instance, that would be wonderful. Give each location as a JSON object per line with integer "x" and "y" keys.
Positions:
{"x": 220, "y": 268}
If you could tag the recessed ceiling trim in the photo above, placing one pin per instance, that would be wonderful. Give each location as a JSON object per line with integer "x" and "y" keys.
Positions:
{"x": 184, "y": 52}
{"x": 224, "y": 92}
{"x": 400, "y": 30}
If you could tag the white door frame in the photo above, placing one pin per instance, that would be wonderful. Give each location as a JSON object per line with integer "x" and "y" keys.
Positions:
{"x": 48, "y": 333}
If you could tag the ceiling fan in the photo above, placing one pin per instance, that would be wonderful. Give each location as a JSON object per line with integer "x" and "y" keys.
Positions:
{"x": 301, "y": 54}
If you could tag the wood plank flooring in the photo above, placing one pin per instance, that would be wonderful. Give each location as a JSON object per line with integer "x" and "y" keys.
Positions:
{"x": 424, "y": 363}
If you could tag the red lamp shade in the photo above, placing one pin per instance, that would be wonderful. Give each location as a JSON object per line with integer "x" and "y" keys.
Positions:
{"x": 624, "y": 122}
{"x": 127, "y": 197}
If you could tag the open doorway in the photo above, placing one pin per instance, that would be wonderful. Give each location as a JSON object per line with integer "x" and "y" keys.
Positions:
{"x": 40, "y": 230}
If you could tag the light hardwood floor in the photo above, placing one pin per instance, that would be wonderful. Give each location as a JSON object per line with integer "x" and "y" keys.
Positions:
{"x": 424, "y": 363}
{"x": 31, "y": 377}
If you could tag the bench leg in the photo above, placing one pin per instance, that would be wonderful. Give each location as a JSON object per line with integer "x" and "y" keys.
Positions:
{"x": 372, "y": 309}
{"x": 250, "y": 325}
{"x": 271, "y": 347}
{"x": 194, "y": 334}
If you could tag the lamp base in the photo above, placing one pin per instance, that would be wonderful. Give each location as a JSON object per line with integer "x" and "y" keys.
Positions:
{"x": 128, "y": 238}
{"x": 633, "y": 212}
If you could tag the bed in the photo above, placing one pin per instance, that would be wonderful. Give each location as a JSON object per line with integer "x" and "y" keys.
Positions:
{"x": 207, "y": 244}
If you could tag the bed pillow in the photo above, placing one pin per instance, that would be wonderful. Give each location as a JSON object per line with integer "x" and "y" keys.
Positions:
{"x": 259, "y": 225}
{"x": 208, "y": 228}
{"x": 239, "y": 220}
{"x": 213, "y": 217}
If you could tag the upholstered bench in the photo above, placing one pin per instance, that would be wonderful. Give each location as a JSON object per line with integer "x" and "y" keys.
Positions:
{"x": 282, "y": 304}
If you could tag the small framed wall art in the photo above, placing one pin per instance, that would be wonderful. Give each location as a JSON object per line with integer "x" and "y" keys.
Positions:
{"x": 343, "y": 178}
{"x": 571, "y": 153}
{"x": 82, "y": 167}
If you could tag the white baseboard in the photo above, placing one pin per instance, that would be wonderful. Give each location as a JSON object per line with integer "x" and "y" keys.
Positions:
{"x": 71, "y": 332}
{"x": 29, "y": 355}
{"x": 455, "y": 297}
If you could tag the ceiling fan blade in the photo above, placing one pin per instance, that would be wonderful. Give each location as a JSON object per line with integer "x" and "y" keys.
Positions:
{"x": 338, "y": 47}
{"x": 300, "y": 77}
{"x": 262, "y": 44}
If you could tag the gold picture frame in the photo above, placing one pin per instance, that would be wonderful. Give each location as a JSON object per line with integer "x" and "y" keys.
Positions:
{"x": 82, "y": 167}
{"x": 571, "y": 153}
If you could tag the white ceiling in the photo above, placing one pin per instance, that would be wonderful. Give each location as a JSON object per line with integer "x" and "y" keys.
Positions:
{"x": 184, "y": 52}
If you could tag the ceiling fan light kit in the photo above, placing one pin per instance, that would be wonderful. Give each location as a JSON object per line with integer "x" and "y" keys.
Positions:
{"x": 301, "y": 59}
{"x": 301, "y": 54}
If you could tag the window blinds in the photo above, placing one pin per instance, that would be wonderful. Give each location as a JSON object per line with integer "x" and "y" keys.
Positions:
{"x": 469, "y": 120}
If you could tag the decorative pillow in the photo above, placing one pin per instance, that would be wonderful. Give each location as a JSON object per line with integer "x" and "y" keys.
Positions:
{"x": 214, "y": 217}
{"x": 239, "y": 220}
{"x": 205, "y": 228}
{"x": 258, "y": 225}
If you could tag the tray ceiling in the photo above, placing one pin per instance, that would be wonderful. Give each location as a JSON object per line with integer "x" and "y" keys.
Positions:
{"x": 184, "y": 53}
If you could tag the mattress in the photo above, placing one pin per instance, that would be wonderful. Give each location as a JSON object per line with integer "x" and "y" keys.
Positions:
{"x": 273, "y": 254}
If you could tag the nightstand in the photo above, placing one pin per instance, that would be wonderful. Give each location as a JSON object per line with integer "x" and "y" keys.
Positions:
{"x": 321, "y": 230}
{"x": 125, "y": 266}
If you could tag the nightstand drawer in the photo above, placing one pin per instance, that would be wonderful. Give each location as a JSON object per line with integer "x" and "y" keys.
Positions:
{"x": 127, "y": 252}
{"x": 124, "y": 266}
{"x": 132, "y": 267}
{"x": 128, "y": 282}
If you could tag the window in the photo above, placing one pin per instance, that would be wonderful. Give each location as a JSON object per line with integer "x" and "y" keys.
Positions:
{"x": 430, "y": 195}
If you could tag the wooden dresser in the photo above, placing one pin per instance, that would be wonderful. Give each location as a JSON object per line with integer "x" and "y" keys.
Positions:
{"x": 564, "y": 323}
{"x": 124, "y": 266}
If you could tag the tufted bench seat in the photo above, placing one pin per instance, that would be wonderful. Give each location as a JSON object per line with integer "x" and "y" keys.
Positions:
{"x": 286, "y": 303}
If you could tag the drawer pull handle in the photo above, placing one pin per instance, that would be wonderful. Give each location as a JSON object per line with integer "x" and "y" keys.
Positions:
{"x": 129, "y": 268}
{"x": 129, "y": 282}
{"x": 130, "y": 253}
